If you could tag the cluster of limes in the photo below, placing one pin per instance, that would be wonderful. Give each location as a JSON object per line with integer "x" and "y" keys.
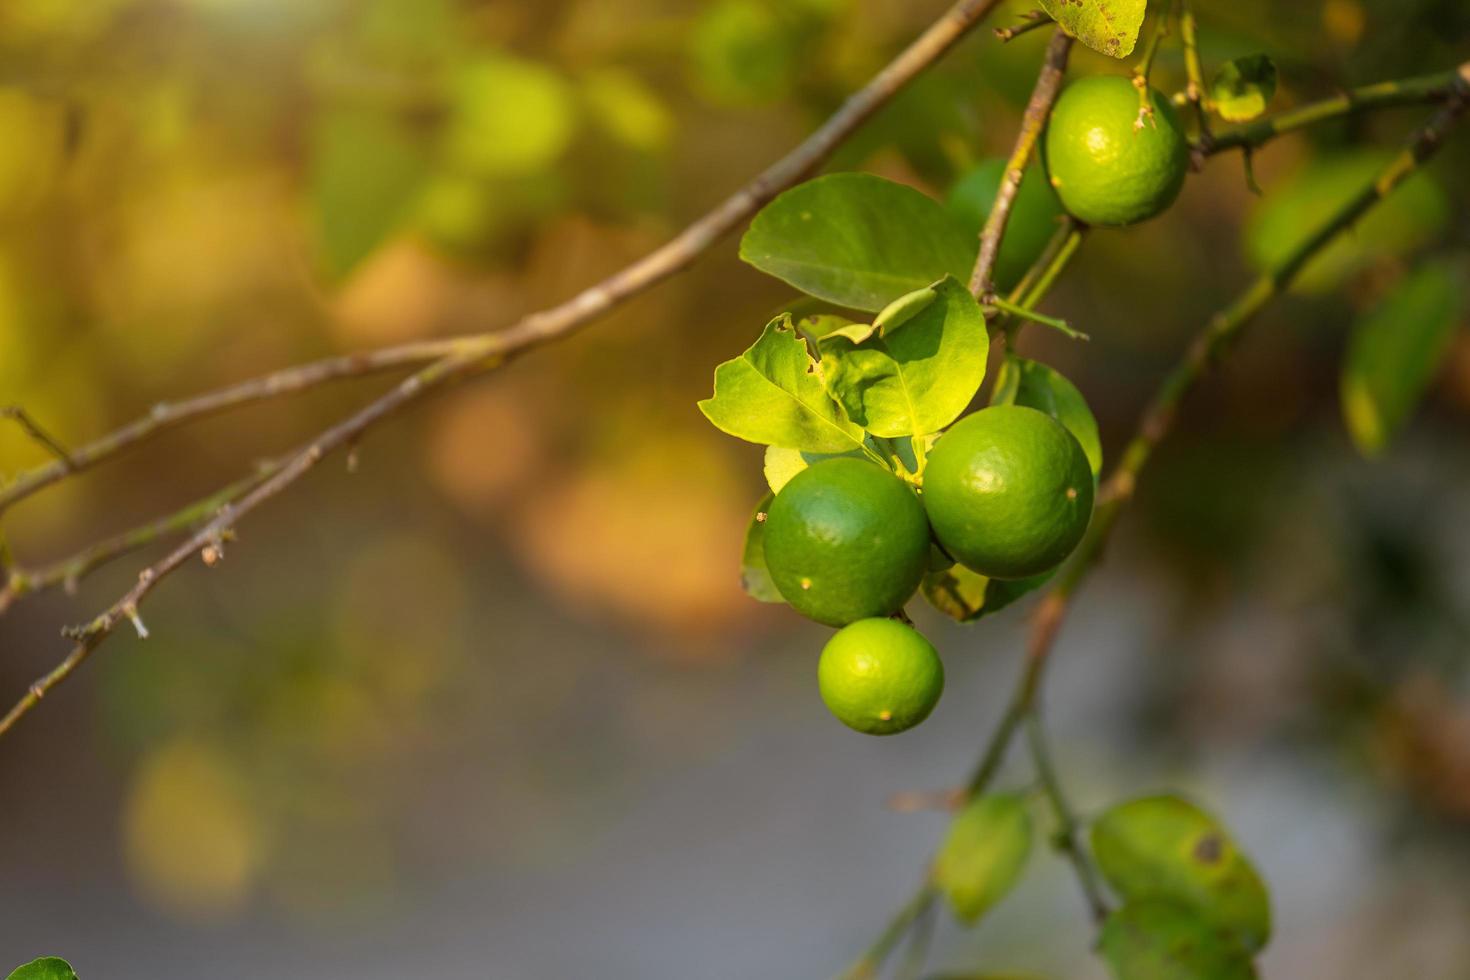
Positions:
{"x": 1007, "y": 491}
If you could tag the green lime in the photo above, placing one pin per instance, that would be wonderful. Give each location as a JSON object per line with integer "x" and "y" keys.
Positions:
{"x": 879, "y": 676}
{"x": 1008, "y": 491}
{"x": 1030, "y": 226}
{"x": 846, "y": 539}
{"x": 1105, "y": 171}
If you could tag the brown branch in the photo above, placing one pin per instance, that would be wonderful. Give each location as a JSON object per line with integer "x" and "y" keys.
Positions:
{"x": 1048, "y": 83}
{"x": 468, "y": 356}
{"x": 588, "y": 305}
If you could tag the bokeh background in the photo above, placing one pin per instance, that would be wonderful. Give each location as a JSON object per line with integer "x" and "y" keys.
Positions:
{"x": 494, "y": 705}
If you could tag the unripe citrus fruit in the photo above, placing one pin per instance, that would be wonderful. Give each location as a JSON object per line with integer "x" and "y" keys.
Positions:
{"x": 846, "y": 539}
{"x": 1008, "y": 491}
{"x": 1033, "y": 217}
{"x": 1105, "y": 171}
{"x": 879, "y": 676}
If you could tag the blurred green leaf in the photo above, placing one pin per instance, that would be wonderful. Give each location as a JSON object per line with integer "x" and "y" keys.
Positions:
{"x": 773, "y": 394}
{"x": 509, "y": 117}
{"x": 1033, "y": 220}
{"x": 743, "y": 52}
{"x": 965, "y": 596}
{"x": 1109, "y": 27}
{"x": 1155, "y": 940}
{"x": 629, "y": 110}
{"x": 1163, "y": 847}
{"x": 1415, "y": 213}
{"x": 45, "y": 968}
{"x": 920, "y": 372}
{"x": 1243, "y": 87}
{"x": 366, "y": 171}
{"x": 983, "y": 854}
{"x": 1033, "y": 384}
{"x": 755, "y": 578}
{"x": 1396, "y": 348}
{"x": 857, "y": 240}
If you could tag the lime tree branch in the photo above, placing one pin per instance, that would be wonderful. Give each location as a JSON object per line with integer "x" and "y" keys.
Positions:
{"x": 1422, "y": 90}
{"x": 1048, "y": 83}
{"x": 1155, "y": 424}
{"x": 1065, "y": 836}
{"x": 588, "y": 305}
{"x": 461, "y": 358}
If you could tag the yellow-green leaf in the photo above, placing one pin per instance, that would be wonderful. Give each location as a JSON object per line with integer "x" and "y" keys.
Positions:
{"x": 983, "y": 854}
{"x": 1243, "y": 87}
{"x": 1109, "y": 27}
{"x": 1152, "y": 939}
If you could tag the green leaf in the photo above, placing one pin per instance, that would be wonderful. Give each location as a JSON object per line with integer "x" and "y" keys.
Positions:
{"x": 509, "y": 117}
{"x": 1396, "y": 349}
{"x": 1033, "y": 384}
{"x": 965, "y": 596}
{"x": 366, "y": 171}
{"x": 773, "y": 394}
{"x": 1242, "y": 88}
{"x": 815, "y": 326}
{"x": 916, "y": 376}
{"x": 857, "y": 240}
{"x": 984, "y": 854}
{"x": 1415, "y": 214}
{"x": 1156, "y": 940}
{"x": 45, "y": 968}
{"x": 755, "y": 578}
{"x": 781, "y": 464}
{"x": 1163, "y": 847}
{"x": 1109, "y": 27}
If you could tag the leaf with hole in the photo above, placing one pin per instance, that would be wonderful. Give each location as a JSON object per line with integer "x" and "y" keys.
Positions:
{"x": 1109, "y": 27}
{"x": 1030, "y": 383}
{"x": 1166, "y": 848}
{"x": 1243, "y": 87}
{"x": 983, "y": 854}
{"x": 1152, "y": 939}
{"x": 857, "y": 240}
{"x": 917, "y": 375}
{"x": 1396, "y": 348}
{"x": 773, "y": 394}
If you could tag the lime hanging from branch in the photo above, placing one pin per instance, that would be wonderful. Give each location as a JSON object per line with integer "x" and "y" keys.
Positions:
{"x": 880, "y": 677}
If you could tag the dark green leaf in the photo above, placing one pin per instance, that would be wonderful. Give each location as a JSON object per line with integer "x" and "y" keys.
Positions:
{"x": 755, "y": 578}
{"x": 366, "y": 171}
{"x": 1243, "y": 87}
{"x": 918, "y": 375}
{"x": 1163, "y": 847}
{"x": 1033, "y": 384}
{"x": 1156, "y": 940}
{"x": 773, "y": 394}
{"x": 857, "y": 240}
{"x": 45, "y": 968}
{"x": 984, "y": 854}
{"x": 965, "y": 596}
{"x": 1396, "y": 348}
{"x": 1109, "y": 27}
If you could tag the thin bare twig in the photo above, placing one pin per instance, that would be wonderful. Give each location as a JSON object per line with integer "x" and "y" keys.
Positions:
{"x": 477, "y": 354}
{"x": 1030, "y": 21}
{"x": 1048, "y": 83}
{"x": 33, "y": 429}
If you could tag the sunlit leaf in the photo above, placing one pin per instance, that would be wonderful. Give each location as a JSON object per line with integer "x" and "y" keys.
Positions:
{"x": 1106, "y": 26}
{"x": 1165, "y": 848}
{"x": 965, "y": 596}
{"x": 920, "y": 372}
{"x": 366, "y": 171}
{"x": 773, "y": 394}
{"x": 45, "y": 968}
{"x": 1152, "y": 939}
{"x": 857, "y": 240}
{"x": 755, "y": 578}
{"x": 509, "y": 117}
{"x": 1243, "y": 87}
{"x": 983, "y": 854}
{"x": 1396, "y": 348}
{"x": 1025, "y": 382}
{"x": 1414, "y": 214}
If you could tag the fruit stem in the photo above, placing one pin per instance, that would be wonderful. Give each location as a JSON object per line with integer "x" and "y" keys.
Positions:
{"x": 1195, "y": 91}
{"x": 1056, "y": 324}
{"x": 1144, "y": 69}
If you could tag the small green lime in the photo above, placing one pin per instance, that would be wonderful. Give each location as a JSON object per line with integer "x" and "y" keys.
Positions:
{"x": 846, "y": 539}
{"x": 879, "y": 676}
{"x": 1030, "y": 226}
{"x": 1008, "y": 491}
{"x": 1105, "y": 171}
